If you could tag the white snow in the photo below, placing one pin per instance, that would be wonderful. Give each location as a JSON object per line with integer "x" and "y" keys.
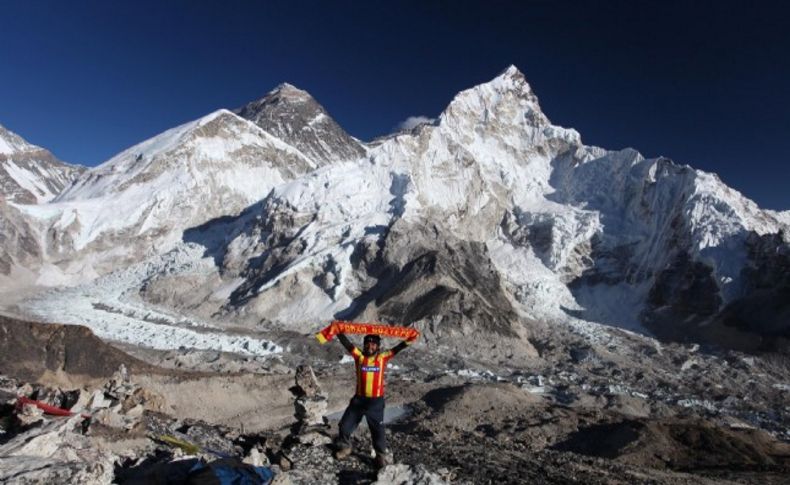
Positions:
{"x": 697, "y": 403}
{"x": 29, "y": 168}
{"x": 11, "y": 143}
{"x": 185, "y": 149}
{"x": 111, "y": 311}
{"x": 320, "y": 117}
{"x": 29, "y": 181}
{"x": 474, "y": 375}
{"x": 5, "y": 147}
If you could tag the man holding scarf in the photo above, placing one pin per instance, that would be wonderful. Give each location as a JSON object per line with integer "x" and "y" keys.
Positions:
{"x": 368, "y": 400}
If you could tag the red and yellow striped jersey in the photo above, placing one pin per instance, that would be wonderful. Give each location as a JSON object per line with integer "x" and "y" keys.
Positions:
{"x": 370, "y": 372}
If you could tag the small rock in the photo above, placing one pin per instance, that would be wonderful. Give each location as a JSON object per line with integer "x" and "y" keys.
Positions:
{"x": 306, "y": 382}
{"x": 8, "y": 384}
{"x": 211, "y": 437}
{"x": 82, "y": 401}
{"x": 135, "y": 412}
{"x": 109, "y": 418}
{"x": 580, "y": 355}
{"x": 285, "y": 462}
{"x": 99, "y": 401}
{"x": 7, "y": 397}
{"x": 310, "y": 411}
{"x": 30, "y": 414}
{"x": 314, "y": 439}
{"x": 121, "y": 375}
{"x": 256, "y": 458}
{"x": 24, "y": 390}
{"x": 281, "y": 478}
{"x": 71, "y": 398}
{"x": 53, "y": 397}
{"x": 402, "y": 474}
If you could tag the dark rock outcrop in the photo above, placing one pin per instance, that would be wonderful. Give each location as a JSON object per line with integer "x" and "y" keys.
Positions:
{"x": 30, "y": 349}
{"x": 295, "y": 117}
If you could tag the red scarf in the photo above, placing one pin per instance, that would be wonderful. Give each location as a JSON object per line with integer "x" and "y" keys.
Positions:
{"x": 336, "y": 327}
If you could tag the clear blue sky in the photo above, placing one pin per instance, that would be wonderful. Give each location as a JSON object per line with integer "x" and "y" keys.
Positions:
{"x": 704, "y": 83}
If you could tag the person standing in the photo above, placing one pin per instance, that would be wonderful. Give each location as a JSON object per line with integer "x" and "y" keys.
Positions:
{"x": 368, "y": 400}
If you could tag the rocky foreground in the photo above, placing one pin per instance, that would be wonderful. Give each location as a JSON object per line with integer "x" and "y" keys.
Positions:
{"x": 581, "y": 415}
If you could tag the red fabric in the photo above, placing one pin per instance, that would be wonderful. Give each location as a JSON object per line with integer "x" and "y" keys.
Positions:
{"x": 336, "y": 327}
{"x": 370, "y": 372}
{"x": 47, "y": 408}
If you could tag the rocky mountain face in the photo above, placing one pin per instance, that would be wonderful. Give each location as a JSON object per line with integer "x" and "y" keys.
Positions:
{"x": 31, "y": 174}
{"x": 491, "y": 221}
{"x": 18, "y": 246}
{"x": 295, "y": 117}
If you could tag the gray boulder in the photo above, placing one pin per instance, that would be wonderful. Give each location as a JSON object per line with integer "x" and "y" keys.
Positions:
{"x": 402, "y": 474}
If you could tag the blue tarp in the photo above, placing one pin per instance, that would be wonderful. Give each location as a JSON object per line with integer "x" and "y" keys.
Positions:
{"x": 229, "y": 472}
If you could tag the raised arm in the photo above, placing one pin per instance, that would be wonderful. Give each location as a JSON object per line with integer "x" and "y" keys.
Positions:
{"x": 402, "y": 345}
{"x": 346, "y": 342}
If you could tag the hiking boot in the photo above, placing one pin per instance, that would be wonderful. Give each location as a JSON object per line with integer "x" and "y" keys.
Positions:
{"x": 383, "y": 459}
{"x": 343, "y": 452}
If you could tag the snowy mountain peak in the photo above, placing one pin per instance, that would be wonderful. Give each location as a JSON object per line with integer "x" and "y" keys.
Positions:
{"x": 507, "y": 98}
{"x": 10, "y": 142}
{"x": 514, "y": 76}
{"x": 217, "y": 141}
{"x": 511, "y": 80}
{"x": 290, "y": 92}
{"x": 30, "y": 174}
{"x": 283, "y": 94}
{"x": 295, "y": 117}
{"x": 511, "y": 70}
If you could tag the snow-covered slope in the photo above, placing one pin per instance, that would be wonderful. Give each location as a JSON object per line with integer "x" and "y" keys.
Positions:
{"x": 138, "y": 203}
{"x": 218, "y": 141}
{"x": 30, "y": 174}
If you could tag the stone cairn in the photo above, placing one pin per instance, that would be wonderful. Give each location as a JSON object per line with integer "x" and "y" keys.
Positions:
{"x": 310, "y": 431}
{"x": 310, "y": 403}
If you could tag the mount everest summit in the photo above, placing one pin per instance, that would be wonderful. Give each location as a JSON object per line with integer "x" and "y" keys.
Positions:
{"x": 491, "y": 219}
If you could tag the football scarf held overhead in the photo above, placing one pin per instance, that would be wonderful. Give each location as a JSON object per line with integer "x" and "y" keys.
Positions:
{"x": 336, "y": 327}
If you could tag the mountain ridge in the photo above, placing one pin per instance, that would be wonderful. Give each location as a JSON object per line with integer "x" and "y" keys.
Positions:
{"x": 568, "y": 232}
{"x": 29, "y": 173}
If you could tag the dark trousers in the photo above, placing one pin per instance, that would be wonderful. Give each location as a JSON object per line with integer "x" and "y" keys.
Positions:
{"x": 373, "y": 410}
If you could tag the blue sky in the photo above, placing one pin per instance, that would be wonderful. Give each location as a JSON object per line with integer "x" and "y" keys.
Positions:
{"x": 704, "y": 83}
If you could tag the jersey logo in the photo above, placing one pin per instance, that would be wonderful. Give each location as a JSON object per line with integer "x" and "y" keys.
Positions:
{"x": 366, "y": 368}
